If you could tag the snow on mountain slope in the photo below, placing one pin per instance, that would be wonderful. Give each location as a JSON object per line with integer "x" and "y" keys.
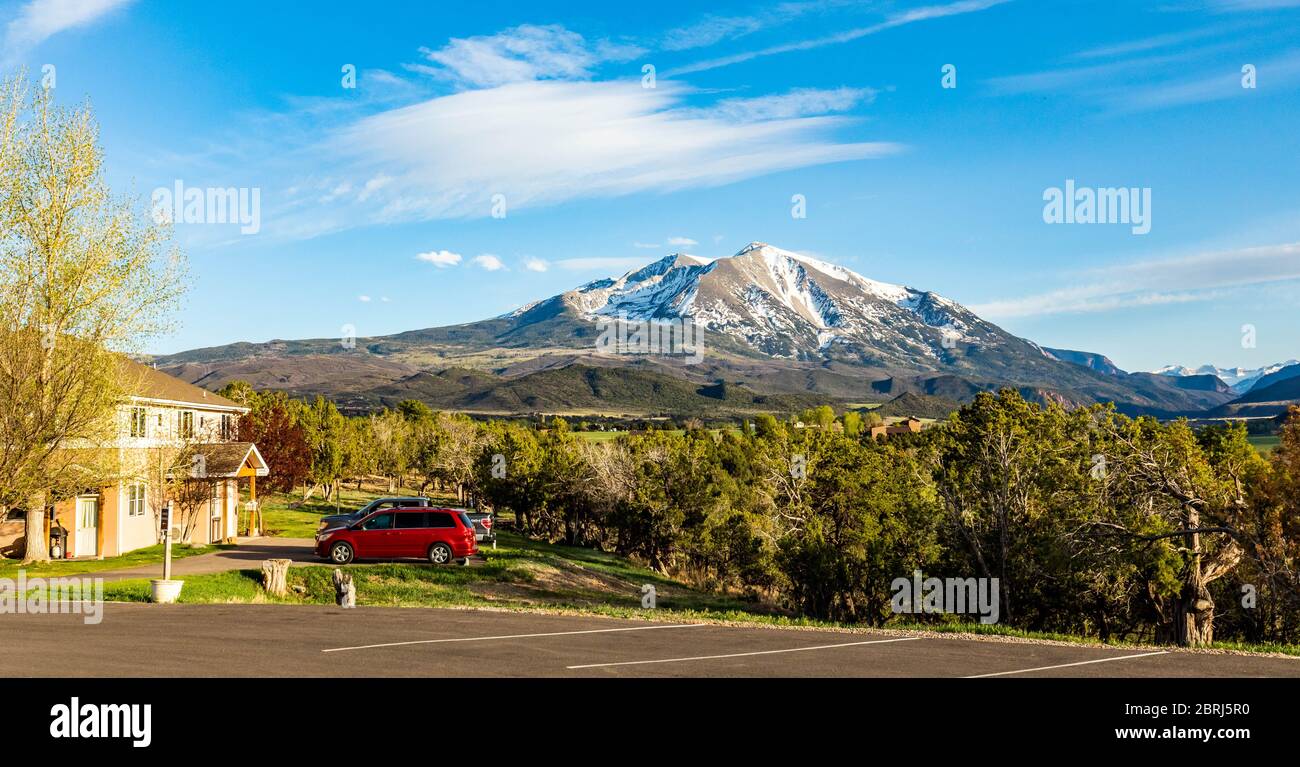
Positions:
{"x": 786, "y": 304}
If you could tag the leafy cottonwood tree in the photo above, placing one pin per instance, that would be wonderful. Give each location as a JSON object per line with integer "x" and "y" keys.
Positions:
{"x": 84, "y": 278}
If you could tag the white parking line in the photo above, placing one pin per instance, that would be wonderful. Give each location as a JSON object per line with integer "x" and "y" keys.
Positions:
{"x": 517, "y": 636}
{"x": 742, "y": 654}
{"x": 1067, "y": 665}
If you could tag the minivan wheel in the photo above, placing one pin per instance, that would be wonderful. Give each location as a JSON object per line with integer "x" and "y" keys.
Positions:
{"x": 440, "y": 554}
{"x": 341, "y": 553}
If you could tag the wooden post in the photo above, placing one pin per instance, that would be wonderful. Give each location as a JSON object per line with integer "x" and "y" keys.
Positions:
{"x": 345, "y": 593}
{"x": 275, "y": 576}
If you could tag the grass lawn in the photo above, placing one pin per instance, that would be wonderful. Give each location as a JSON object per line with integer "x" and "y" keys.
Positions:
{"x": 1264, "y": 443}
{"x": 146, "y": 556}
{"x": 518, "y": 574}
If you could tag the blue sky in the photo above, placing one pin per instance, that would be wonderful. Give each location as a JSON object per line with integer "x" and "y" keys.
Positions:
{"x": 377, "y": 201}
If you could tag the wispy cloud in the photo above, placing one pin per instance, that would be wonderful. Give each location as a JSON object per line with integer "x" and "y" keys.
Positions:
{"x": 1142, "y": 45}
{"x": 39, "y": 20}
{"x": 524, "y": 53}
{"x": 1164, "y": 71}
{"x": 799, "y": 102}
{"x": 1148, "y": 283}
{"x": 1273, "y": 74}
{"x": 682, "y": 242}
{"x": 534, "y": 264}
{"x": 898, "y": 19}
{"x": 713, "y": 28}
{"x": 457, "y": 155}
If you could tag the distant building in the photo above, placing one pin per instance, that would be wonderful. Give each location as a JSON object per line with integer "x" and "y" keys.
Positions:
{"x": 906, "y": 426}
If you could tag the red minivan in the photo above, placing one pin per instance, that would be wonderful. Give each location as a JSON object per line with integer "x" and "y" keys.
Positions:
{"x": 438, "y": 535}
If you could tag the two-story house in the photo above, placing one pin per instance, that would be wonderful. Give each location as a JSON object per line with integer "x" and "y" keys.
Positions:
{"x": 165, "y": 419}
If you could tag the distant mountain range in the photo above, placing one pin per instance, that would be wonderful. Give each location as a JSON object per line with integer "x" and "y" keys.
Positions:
{"x": 1240, "y": 379}
{"x": 778, "y": 331}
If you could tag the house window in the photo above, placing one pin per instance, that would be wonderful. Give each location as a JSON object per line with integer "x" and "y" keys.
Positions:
{"x": 185, "y": 424}
{"x": 135, "y": 498}
{"x": 138, "y": 422}
{"x": 227, "y": 426}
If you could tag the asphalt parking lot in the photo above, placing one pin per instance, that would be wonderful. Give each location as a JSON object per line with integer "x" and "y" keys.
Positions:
{"x": 314, "y": 641}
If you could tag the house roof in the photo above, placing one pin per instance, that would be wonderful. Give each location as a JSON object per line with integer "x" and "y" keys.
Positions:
{"x": 225, "y": 459}
{"x": 147, "y": 383}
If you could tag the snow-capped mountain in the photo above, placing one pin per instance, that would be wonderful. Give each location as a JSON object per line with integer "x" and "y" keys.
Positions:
{"x": 769, "y": 322}
{"x": 787, "y": 305}
{"x": 1239, "y": 379}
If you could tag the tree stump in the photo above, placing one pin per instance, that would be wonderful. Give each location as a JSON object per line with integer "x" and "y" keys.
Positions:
{"x": 275, "y": 575}
{"x": 344, "y": 592}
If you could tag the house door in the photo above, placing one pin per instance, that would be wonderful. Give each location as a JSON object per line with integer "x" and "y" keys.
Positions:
{"x": 87, "y": 543}
{"x": 215, "y": 533}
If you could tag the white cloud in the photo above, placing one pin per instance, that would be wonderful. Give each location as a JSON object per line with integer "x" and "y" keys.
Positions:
{"x": 440, "y": 258}
{"x": 39, "y": 20}
{"x": 682, "y": 242}
{"x": 523, "y": 53}
{"x": 536, "y": 265}
{"x": 645, "y": 245}
{"x": 1180, "y": 280}
{"x": 385, "y": 299}
{"x": 448, "y": 156}
{"x": 364, "y": 299}
{"x": 489, "y": 262}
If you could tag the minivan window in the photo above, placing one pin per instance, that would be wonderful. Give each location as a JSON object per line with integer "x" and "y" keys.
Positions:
{"x": 408, "y": 520}
{"x": 379, "y": 522}
{"x": 440, "y": 519}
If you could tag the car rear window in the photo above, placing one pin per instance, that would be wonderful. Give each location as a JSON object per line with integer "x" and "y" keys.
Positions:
{"x": 407, "y": 520}
{"x": 465, "y": 519}
{"x": 440, "y": 519}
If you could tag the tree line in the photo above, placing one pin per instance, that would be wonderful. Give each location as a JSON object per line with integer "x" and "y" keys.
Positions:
{"x": 1094, "y": 523}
